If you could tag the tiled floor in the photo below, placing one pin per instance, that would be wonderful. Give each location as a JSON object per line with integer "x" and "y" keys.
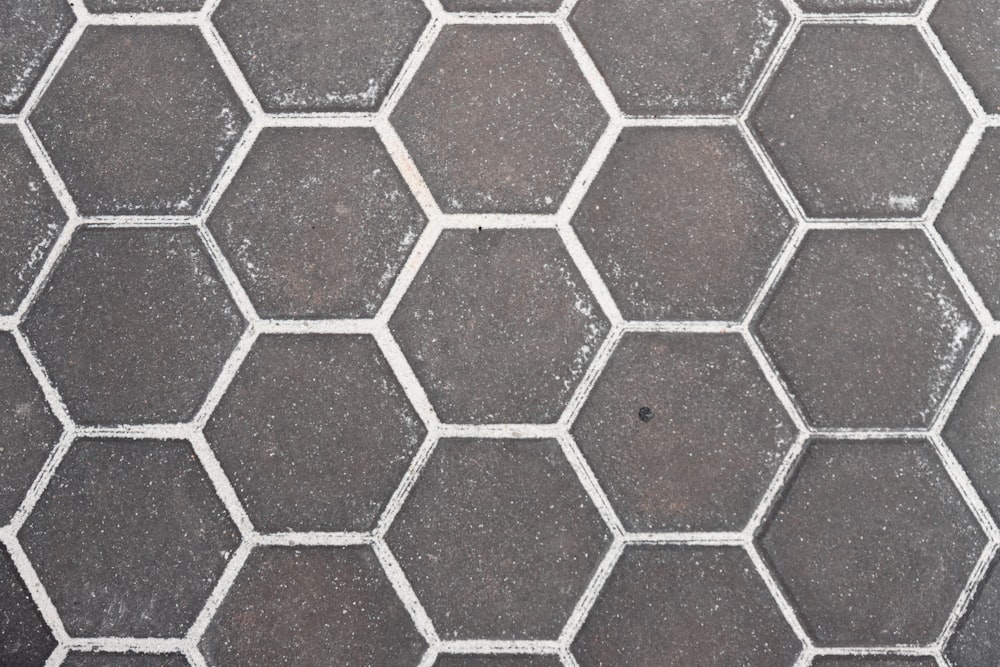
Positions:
{"x": 499, "y": 333}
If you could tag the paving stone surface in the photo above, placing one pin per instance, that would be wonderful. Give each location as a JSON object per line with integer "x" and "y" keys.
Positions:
{"x": 499, "y": 333}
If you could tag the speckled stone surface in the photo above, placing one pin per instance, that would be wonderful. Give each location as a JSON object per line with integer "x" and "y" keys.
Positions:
{"x": 32, "y": 31}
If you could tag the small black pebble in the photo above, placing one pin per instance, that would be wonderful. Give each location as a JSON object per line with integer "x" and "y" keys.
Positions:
{"x": 645, "y": 414}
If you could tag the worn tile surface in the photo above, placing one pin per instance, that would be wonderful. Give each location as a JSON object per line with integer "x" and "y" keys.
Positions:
{"x": 499, "y": 333}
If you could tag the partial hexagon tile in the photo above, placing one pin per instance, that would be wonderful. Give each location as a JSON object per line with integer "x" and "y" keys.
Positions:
{"x": 674, "y": 606}
{"x": 498, "y": 539}
{"x": 129, "y": 538}
{"x": 861, "y": 7}
{"x": 682, "y": 224}
{"x": 321, "y": 55}
{"x": 109, "y": 6}
{"x": 975, "y": 640}
{"x": 867, "y": 329}
{"x": 499, "y": 326}
{"x": 873, "y": 542}
{"x": 30, "y": 218}
{"x": 497, "y": 661}
{"x": 969, "y": 30}
{"x": 501, "y": 5}
{"x": 683, "y": 432}
{"x": 679, "y": 57}
{"x": 125, "y": 660}
{"x": 347, "y": 223}
{"x": 25, "y": 639}
{"x": 968, "y": 222}
{"x": 873, "y": 661}
{"x": 315, "y": 433}
{"x": 134, "y": 325}
{"x": 32, "y": 31}
{"x": 860, "y": 121}
{"x": 513, "y": 146}
{"x": 312, "y": 607}
{"x": 139, "y": 120}
{"x": 28, "y": 429}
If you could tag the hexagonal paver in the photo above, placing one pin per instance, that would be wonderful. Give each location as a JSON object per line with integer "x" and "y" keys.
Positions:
{"x": 501, "y": 6}
{"x": 28, "y": 429}
{"x": 32, "y": 31}
{"x": 513, "y": 147}
{"x": 30, "y": 219}
{"x": 860, "y": 7}
{"x": 497, "y": 661}
{"x": 312, "y": 607}
{"x": 321, "y": 55}
{"x": 25, "y": 640}
{"x": 873, "y": 542}
{"x": 969, "y": 221}
{"x": 860, "y": 121}
{"x": 708, "y": 256}
{"x": 125, "y": 660}
{"x": 129, "y": 538}
{"x": 108, "y": 6}
{"x": 972, "y": 432}
{"x": 315, "y": 433}
{"x": 133, "y": 325}
{"x": 873, "y": 661}
{"x": 499, "y": 326}
{"x": 667, "y": 606}
{"x": 139, "y": 120}
{"x": 867, "y": 329}
{"x": 498, "y": 539}
{"x": 683, "y": 432}
{"x": 679, "y": 57}
{"x": 347, "y": 222}
{"x": 968, "y": 31}
{"x": 975, "y": 640}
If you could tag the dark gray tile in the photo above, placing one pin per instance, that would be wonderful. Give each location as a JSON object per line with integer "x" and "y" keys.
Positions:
{"x": 683, "y": 432}
{"x": 30, "y": 219}
{"x": 321, "y": 55}
{"x": 683, "y": 56}
{"x": 861, "y": 7}
{"x": 967, "y": 30}
{"x": 124, "y": 660}
{"x": 873, "y": 661}
{"x": 860, "y": 121}
{"x": 667, "y": 606}
{"x": 499, "y": 326}
{"x": 25, "y": 639}
{"x": 129, "y": 538}
{"x": 868, "y": 329}
{"x": 975, "y": 641}
{"x": 32, "y": 31}
{"x": 512, "y": 147}
{"x": 498, "y": 539}
{"x": 972, "y": 431}
{"x": 968, "y": 222}
{"x": 315, "y": 433}
{"x": 312, "y": 607}
{"x": 682, "y": 224}
{"x": 134, "y": 325}
{"x": 28, "y": 429}
{"x": 501, "y": 5}
{"x": 872, "y": 542}
{"x": 317, "y": 223}
{"x": 139, "y": 120}
{"x": 497, "y": 661}
{"x": 108, "y": 6}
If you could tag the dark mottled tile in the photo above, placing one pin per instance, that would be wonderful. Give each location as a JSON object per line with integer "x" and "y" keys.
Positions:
{"x": 28, "y": 429}
{"x": 675, "y": 606}
{"x": 704, "y": 259}
{"x": 129, "y": 538}
{"x": 501, "y": 6}
{"x": 873, "y": 542}
{"x": 25, "y": 639}
{"x": 134, "y": 325}
{"x": 684, "y": 56}
{"x": 497, "y": 661}
{"x": 32, "y": 31}
{"x": 968, "y": 31}
{"x": 975, "y": 641}
{"x": 499, "y": 326}
{"x": 108, "y": 6}
{"x": 315, "y": 433}
{"x": 139, "y": 120}
{"x": 321, "y": 55}
{"x": 312, "y": 607}
{"x": 969, "y": 222}
{"x": 873, "y": 661}
{"x": 125, "y": 660}
{"x": 30, "y": 219}
{"x": 498, "y": 539}
{"x": 514, "y": 146}
{"x": 860, "y": 121}
{"x": 347, "y": 222}
{"x": 683, "y": 432}
{"x": 861, "y": 7}
{"x": 867, "y": 329}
